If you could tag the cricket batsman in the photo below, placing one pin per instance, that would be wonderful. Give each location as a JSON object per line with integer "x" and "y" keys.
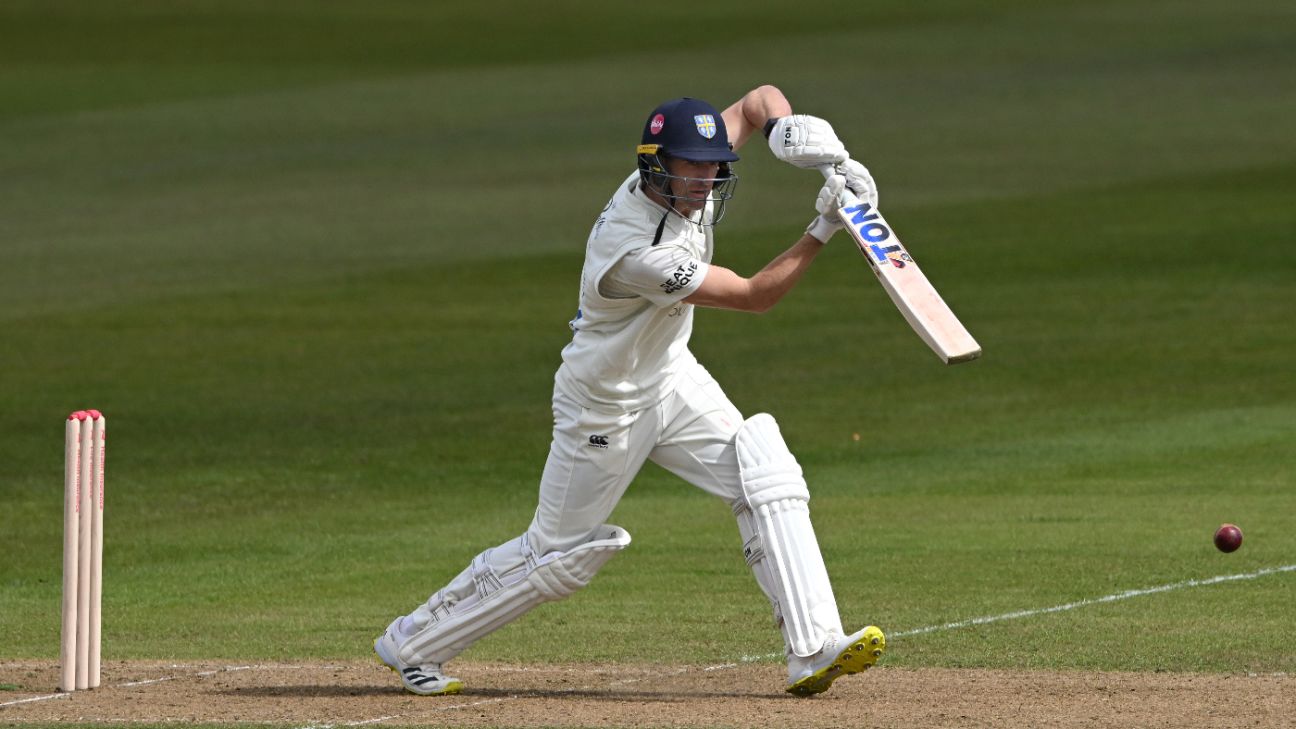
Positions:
{"x": 629, "y": 390}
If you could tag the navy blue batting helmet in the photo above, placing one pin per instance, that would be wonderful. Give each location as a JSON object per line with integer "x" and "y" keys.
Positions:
{"x": 689, "y": 129}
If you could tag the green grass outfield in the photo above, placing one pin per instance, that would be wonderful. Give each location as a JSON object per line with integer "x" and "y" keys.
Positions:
{"x": 316, "y": 263}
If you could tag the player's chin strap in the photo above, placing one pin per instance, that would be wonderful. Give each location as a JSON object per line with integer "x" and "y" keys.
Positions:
{"x": 778, "y": 539}
{"x": 670, "y": 208}
{"x": 661, "y": 227}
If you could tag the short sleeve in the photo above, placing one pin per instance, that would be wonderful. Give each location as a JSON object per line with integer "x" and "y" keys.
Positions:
{"x": 662, "y": 274}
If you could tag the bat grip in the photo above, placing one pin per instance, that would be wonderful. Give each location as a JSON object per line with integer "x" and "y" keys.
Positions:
{"x": 847, "y": 198}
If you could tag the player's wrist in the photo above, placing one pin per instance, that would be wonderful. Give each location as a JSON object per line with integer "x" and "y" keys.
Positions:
{"x": 769, "y": 126}
{"x": 822, "y": 228}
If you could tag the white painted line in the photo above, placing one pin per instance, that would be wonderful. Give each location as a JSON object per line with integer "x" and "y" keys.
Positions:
{"x": 1127, "y": 594}
{"x": 361, "y": 722}
{"x": 132, "y": 684}
{"x": 34, "y": 698}
{"x": 226, "y": 669}
{"x": 372, "y": 721}
{"x": 468, "y": 706}
{"x": 147, "y": 681}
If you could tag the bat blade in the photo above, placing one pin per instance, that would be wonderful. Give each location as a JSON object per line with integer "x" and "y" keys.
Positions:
{"x": 915, "y": 297}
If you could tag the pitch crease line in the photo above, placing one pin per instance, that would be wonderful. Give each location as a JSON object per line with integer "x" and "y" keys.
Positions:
{"x": 131, "y": 684}
{"x": 150, "y": 681}
{"x": 363, "y": 722}
{"x": 1114, "y": 597}
{"x": 34, "y": 698}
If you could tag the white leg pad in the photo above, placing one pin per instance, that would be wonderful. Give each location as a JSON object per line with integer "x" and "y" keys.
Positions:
{"x": 787, "y": 552}
{"x": 500, "y": 586}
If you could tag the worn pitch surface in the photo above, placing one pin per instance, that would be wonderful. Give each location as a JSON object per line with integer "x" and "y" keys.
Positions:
{"x": 750, "y": 695}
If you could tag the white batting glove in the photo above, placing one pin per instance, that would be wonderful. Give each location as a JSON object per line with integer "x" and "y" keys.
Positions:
{"x": 859, "y": 181}
{"x": 805, "y": 141}
{"x": 829, "y": 200}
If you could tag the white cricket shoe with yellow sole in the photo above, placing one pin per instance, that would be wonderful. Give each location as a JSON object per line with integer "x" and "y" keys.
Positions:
{"x": 424, "y": 680}
{"x": 839, "y": 656}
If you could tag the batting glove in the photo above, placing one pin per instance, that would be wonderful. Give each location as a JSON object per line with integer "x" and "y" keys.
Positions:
{"x": 805, "y": 141}
{"x": 859, "y": 181}
{"x": 829, "y": 200}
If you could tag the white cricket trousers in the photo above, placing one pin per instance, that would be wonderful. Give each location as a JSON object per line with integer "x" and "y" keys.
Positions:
{"x": 595, "y": 455}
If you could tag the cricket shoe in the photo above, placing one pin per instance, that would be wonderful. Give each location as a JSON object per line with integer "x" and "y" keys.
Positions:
{"x": 424, "y": 680}
{"x": 839, "y": 656}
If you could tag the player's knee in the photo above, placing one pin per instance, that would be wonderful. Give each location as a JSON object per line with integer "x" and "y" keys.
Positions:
{"x": 769, "y": 471}
{"x": 559, "y": 574}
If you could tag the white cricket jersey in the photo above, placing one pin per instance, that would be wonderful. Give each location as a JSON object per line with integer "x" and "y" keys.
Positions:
{"x": 630, "y": 335}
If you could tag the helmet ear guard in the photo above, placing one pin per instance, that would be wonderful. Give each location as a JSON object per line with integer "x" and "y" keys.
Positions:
{"x": 652, "y": 168}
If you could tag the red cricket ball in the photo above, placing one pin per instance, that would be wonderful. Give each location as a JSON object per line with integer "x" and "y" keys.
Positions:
{"x": 1228, "y": 538}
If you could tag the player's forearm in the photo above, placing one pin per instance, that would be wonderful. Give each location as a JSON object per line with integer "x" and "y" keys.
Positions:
{"x": 721, "y": 288}
{"x": 773, "y": 282}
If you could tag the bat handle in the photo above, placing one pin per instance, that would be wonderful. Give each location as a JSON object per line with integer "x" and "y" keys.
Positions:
{"x": 847, "y": 198}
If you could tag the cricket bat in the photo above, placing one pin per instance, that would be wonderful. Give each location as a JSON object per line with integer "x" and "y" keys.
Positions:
{"x": 904, "y": 282}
